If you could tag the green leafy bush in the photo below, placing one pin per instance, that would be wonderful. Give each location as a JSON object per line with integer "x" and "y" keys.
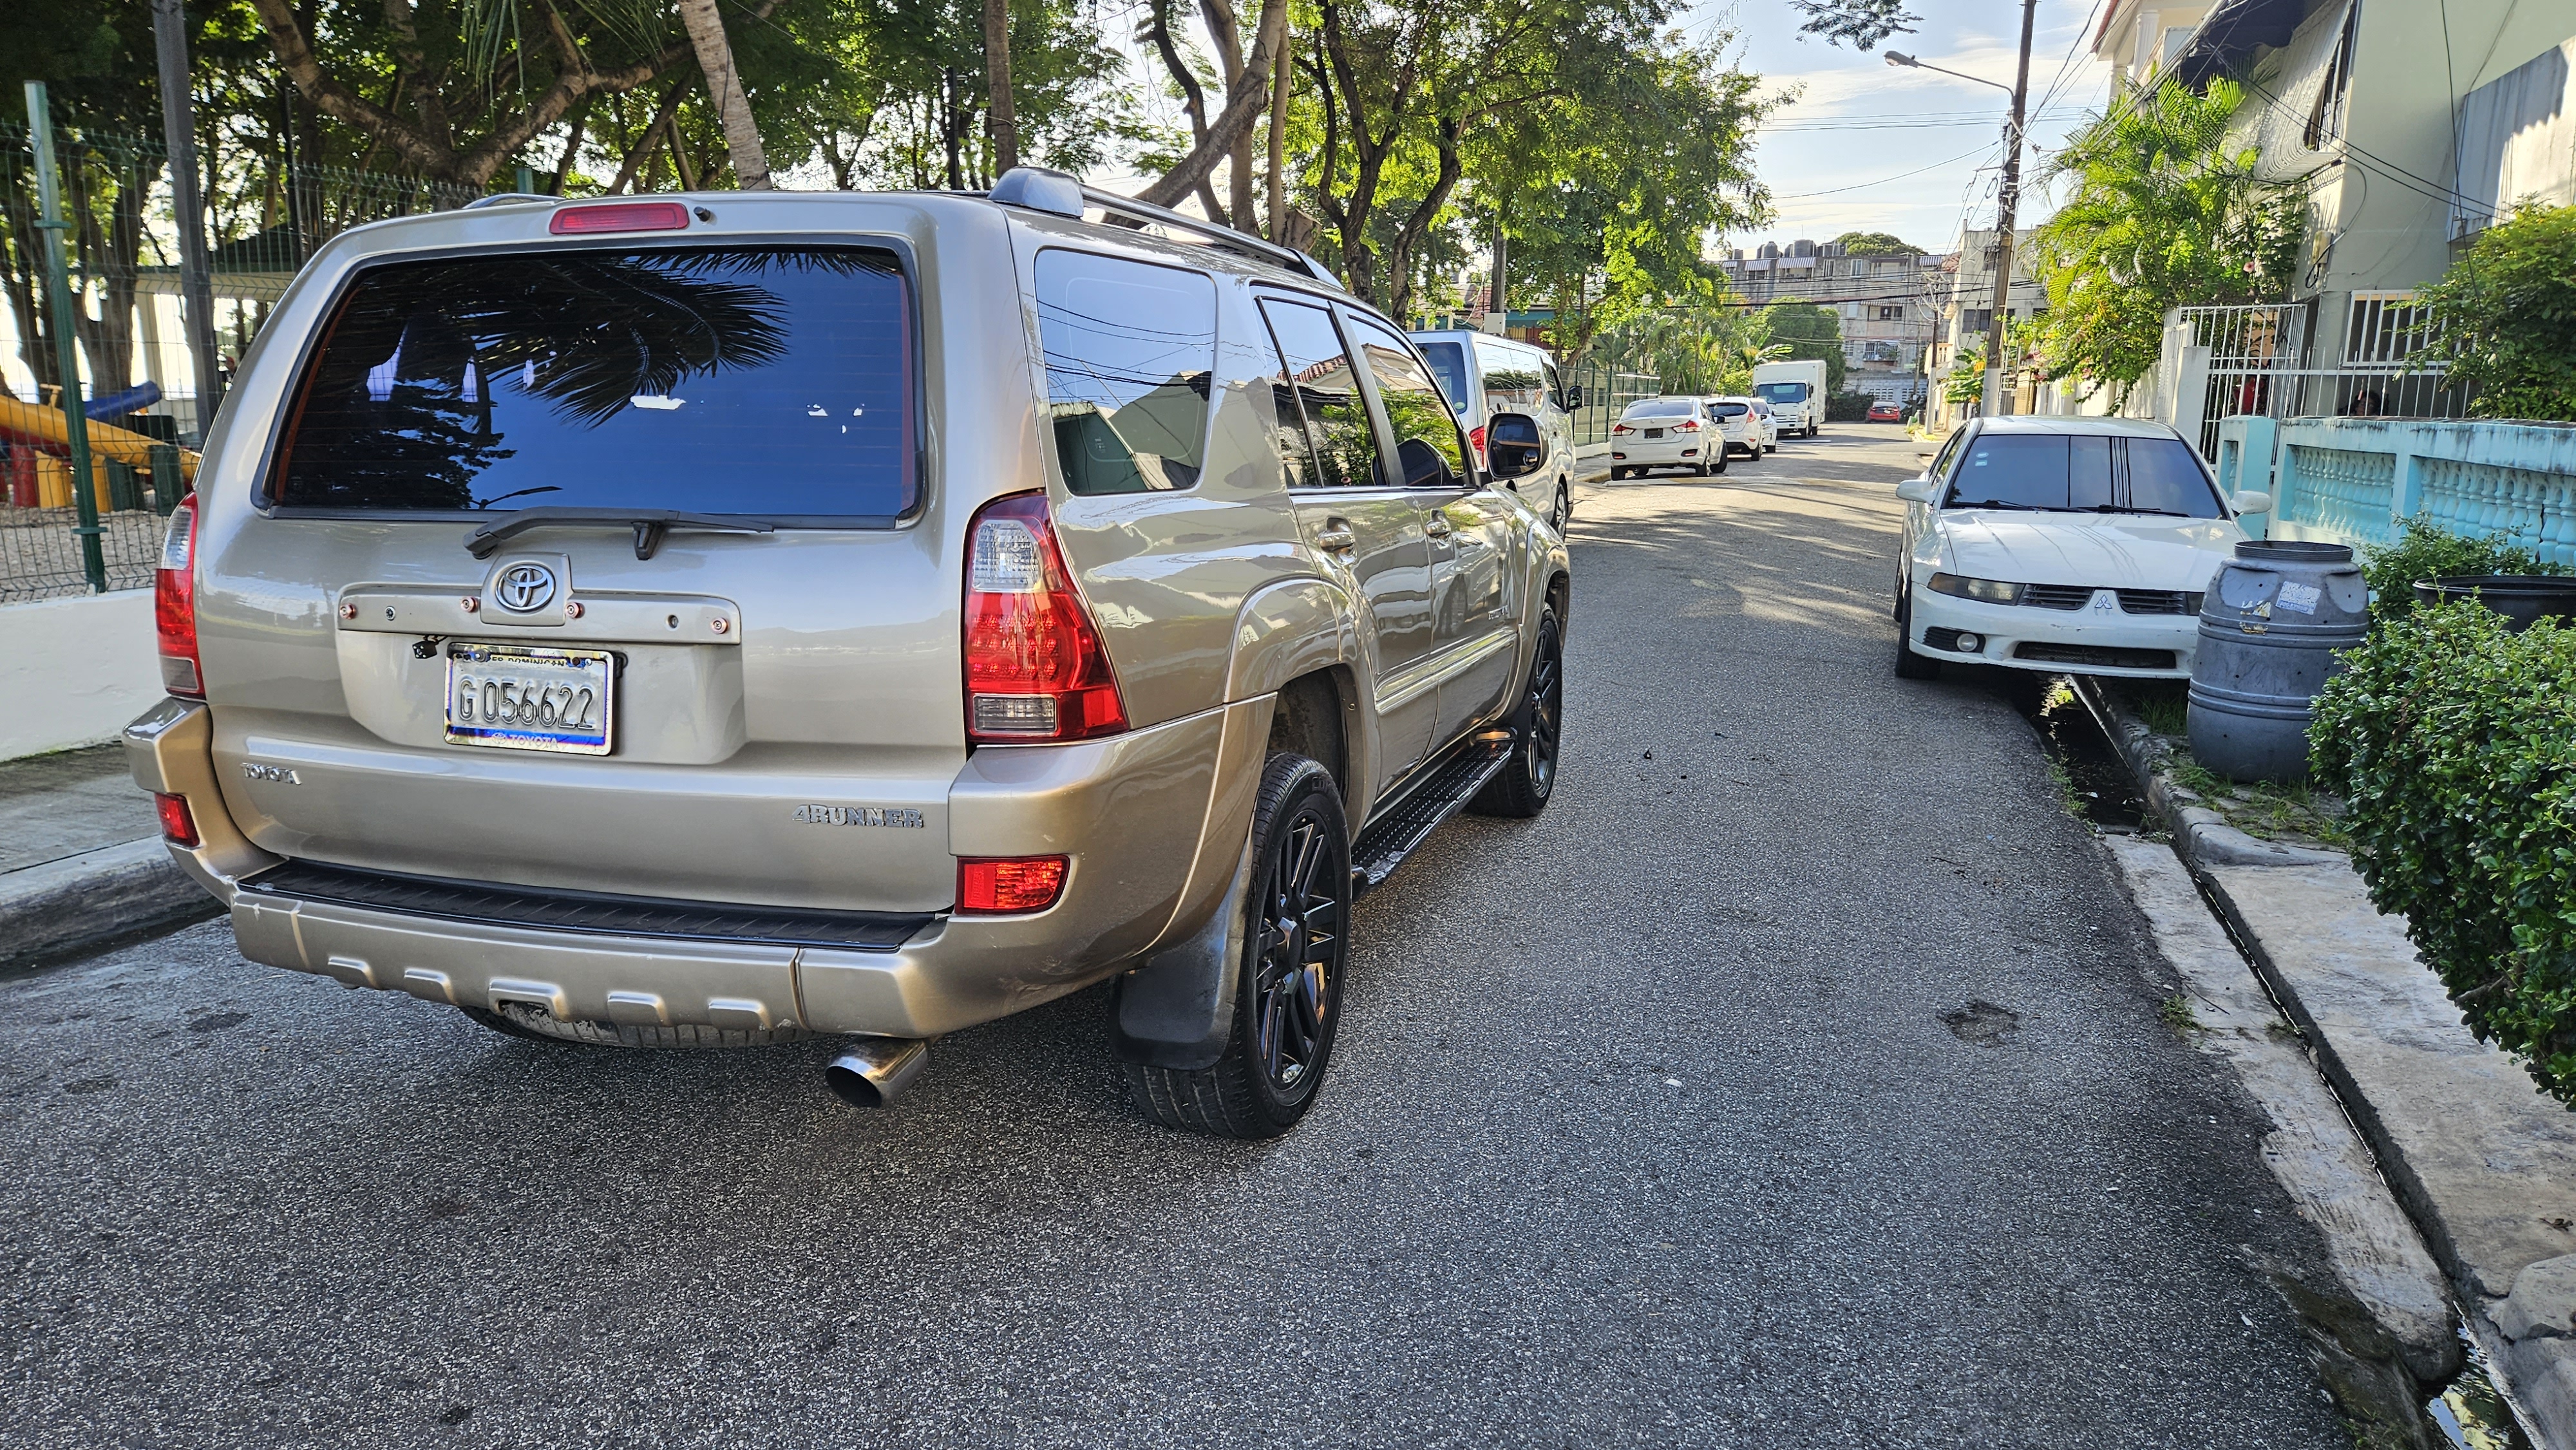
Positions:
{"x": 2453, "y": 743}
{"x": 1848, "y": 407}
{"x": 2504, "y": 317}
{"x": 2424, "y": 551}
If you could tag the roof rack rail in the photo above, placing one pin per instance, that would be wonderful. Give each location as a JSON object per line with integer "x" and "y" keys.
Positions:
{"x": 1041, "y": 189}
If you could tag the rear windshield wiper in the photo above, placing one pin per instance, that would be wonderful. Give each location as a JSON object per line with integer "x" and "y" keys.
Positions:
{"x": 649, "y": 525}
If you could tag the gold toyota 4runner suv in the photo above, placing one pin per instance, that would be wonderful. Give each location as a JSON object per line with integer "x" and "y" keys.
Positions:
{"x": 732, "y": 618}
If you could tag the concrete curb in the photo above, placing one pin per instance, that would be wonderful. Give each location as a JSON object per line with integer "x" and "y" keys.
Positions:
{"x": 2483, "y": 1163}
{"x": 81, "y": 903}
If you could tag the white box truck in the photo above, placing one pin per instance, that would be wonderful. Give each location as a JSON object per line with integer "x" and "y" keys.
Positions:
{"x": 1796, "y": 392}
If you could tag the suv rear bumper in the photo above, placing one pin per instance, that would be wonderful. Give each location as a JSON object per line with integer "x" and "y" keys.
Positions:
{"x": 1155, "y": 821}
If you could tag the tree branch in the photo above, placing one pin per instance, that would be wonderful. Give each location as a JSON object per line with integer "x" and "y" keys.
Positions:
{"x": 1231, "y": 125}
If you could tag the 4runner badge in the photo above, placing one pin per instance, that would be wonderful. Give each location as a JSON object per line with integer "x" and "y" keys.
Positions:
{"x": 817, "y": 815}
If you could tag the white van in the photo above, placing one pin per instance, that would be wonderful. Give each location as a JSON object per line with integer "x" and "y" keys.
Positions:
{"x": 1483, "y": 375}
{"x": 1795, "y": 389}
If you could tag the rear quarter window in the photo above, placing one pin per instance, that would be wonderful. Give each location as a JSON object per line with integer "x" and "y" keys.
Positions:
{"x": 767, "y": 381}
{"x": 1130, "y": 351}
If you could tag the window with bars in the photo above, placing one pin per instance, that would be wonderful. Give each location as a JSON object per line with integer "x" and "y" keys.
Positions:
{"x": 2384, "y": 329}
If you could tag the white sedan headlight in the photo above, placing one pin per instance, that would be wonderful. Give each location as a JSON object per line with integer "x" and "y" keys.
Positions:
{"x": 1992, "y": 591}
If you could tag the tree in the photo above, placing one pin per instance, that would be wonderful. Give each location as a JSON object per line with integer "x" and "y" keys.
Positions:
{"x": 1704, "y": 346}
{"x": 1608, "y": 191}
{"x": 2162, "y": 214}
{"x": 997, "y": 82}
{"x": 1876, "y": 244}
{"x": 724, "y": 83}
{"x": 1862, "y": 24}
{"x": 1809, "y": 331}
{"x": 2503, "y": 319}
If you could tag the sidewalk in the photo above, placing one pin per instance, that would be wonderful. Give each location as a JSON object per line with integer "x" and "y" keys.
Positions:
{"x": 2484, "y": 1163}
{"x": 81, "y": 860}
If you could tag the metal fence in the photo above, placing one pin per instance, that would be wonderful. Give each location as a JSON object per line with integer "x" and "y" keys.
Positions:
{"x": 1606, "y": 394}
{"x": 2256, "y": 356}
{"x": 139, "y": 385}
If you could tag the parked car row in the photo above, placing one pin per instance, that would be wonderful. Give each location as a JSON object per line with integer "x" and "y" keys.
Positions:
{"x": 1692, "y": 432}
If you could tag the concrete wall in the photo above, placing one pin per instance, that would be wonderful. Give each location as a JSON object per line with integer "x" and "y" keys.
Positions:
{"x": 73, "y": 671}
{"x": 2354, "y": 480}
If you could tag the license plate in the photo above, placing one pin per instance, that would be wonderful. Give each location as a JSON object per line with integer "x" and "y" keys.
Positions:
{"x": 1654, "y": 432}
{"x": 518, "y": 698}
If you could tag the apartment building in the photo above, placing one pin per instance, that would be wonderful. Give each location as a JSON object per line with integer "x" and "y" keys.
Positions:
{"x": 2141, "y": 38}
{"x": 1967, "y": 301}
{"x": 2408, "y": 126}
{"x": 1888, "y": 306}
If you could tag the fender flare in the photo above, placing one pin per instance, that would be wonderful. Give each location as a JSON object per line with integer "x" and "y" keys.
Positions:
{"x": 1288, "y": 629}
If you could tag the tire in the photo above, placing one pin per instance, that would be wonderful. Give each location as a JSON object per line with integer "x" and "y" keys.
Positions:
{"x": 531, "y": 1025}
{"x": 1721, "y": 458}
{"x": 1562, "y": 515}
{"x": 1538, "y": 723}
{"x": 1701, "y": 469}
{"x": 1616, "y": 474}
{"x": 1287, "y": 984}
{"x": 1909, "y": 665}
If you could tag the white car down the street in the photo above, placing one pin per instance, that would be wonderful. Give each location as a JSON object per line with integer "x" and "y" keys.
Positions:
{"x": 2067, "y": 545}
{"x": 1666, "y": 433}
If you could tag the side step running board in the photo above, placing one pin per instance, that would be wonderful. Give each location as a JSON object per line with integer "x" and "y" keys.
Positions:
{"x": 1443, "y": 790}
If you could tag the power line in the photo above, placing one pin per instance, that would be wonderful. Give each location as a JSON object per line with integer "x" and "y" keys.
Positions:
{"x": 1882, "y": 181}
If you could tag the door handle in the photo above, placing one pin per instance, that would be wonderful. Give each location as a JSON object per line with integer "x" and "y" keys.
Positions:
{"x": 1336, "y": 537}
{"x": 1437, "y": 526}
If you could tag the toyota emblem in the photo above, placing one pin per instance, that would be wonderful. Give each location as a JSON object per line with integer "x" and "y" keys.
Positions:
{"x": 525, "y": 588}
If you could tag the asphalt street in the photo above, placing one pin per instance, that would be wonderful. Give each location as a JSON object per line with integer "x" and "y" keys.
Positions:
{"x": 1796, "y": 1080}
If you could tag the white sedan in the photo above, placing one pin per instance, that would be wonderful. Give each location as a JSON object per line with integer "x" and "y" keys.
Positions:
{"x": 2066, "y": 545}
{"x": 1666, "y": 432}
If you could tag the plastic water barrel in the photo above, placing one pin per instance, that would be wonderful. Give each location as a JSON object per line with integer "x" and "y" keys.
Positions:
{"x": 2271, "y": 627}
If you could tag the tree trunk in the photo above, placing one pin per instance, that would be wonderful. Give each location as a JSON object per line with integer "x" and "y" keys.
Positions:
{"x": 1231, "y": 125}
{"x": 724, "y": 82}
{"x": 997, "y": 73}
{"x": 1279, "y": 94}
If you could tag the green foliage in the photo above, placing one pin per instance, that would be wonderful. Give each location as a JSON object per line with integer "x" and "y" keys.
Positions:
{"x": 2162, "y": 214}
{"x": 1848, "y": 407}
{"x": 1700, "y": 347}
{"x": 1862, "y": 24}
{"x": 2453, "y": 743}
{"x": 2504, "y": 317}
{"x": 1876, "y": 244}
{"x": 2424, "y": 550}
{"x": 1966, "y": 380}
{"x": 1811, "y": 332}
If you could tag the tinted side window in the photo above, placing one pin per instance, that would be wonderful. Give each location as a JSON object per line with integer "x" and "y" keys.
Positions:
{"x": 1512, "y": 378}
{"x": 1322, "y": 421}
{"x": 1427, "y": 446}
{"x": 1129, "y": 350}
{"x": 1449, "y": 364}
{"x": 769, "y": 381}
{"x": 1555, "y": 385}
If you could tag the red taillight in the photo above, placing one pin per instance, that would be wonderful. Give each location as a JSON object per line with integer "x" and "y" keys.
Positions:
{"x": 1618, "y": 428}
{"x": 1476, "y": 440}
{"x": 177, "y": 826}
{"x": 1035, "y": 667}
{"x": 1020, "y": 883}
{"x": 1687, "y": 425}
{"x": 174, "y": 603}
{"x": 624, "y": 216}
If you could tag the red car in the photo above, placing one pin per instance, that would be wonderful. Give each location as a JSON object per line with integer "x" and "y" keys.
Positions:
{"x": 1886, "y": 413}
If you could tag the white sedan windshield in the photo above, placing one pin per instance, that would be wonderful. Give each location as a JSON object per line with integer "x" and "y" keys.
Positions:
{"x": 2083, "y": 473}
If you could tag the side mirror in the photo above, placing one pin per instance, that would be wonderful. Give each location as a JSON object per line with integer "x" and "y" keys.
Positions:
{"x": 1513, "y": 444}
{"x": 1918, "y": 490}
{"x": 2251, "y": 502}
{"x": 1573, "y": 397}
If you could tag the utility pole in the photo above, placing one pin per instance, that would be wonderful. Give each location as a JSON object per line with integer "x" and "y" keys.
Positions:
{"x": 49, "y": 199}
{"x": 2006, "y": 202}
{"x": 179, "y": 138}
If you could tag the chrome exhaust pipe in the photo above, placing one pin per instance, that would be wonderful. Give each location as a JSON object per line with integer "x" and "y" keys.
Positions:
{"x": 877, "y": 1070}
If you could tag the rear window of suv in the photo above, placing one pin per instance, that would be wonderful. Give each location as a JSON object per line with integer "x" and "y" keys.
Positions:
{"x": 766, "y": 381}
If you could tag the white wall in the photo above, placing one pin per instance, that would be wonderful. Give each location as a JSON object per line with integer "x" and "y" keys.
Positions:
{"x": 73, "y": 671}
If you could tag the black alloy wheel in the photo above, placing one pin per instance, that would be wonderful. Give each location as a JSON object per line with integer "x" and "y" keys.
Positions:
{"x": 1563, "y": 513}
{"x": 1288, "y": 978}
{"x": 1528, "y": 779}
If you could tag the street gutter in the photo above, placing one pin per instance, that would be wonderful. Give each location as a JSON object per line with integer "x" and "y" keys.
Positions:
{"x": 2484, "y": 1164}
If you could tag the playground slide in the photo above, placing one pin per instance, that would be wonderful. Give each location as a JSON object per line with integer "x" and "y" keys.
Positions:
{"x": 45, "y": 425}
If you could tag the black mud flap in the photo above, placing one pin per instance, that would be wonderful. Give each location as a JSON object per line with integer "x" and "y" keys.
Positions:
{"x": 1176, "y": 1010}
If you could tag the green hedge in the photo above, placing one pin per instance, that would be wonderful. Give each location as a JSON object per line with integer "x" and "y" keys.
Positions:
{"x": 1848, "y": 407}
{"x": 2453, "y": 743}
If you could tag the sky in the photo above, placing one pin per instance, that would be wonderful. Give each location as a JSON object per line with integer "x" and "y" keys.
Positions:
{"x": 1836, "y": 157}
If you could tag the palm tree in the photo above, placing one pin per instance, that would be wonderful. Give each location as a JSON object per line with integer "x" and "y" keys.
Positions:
{"x": 733, "y": 108}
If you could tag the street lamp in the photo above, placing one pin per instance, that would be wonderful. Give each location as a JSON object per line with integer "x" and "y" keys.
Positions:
{"x": 2005, "y": 202}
